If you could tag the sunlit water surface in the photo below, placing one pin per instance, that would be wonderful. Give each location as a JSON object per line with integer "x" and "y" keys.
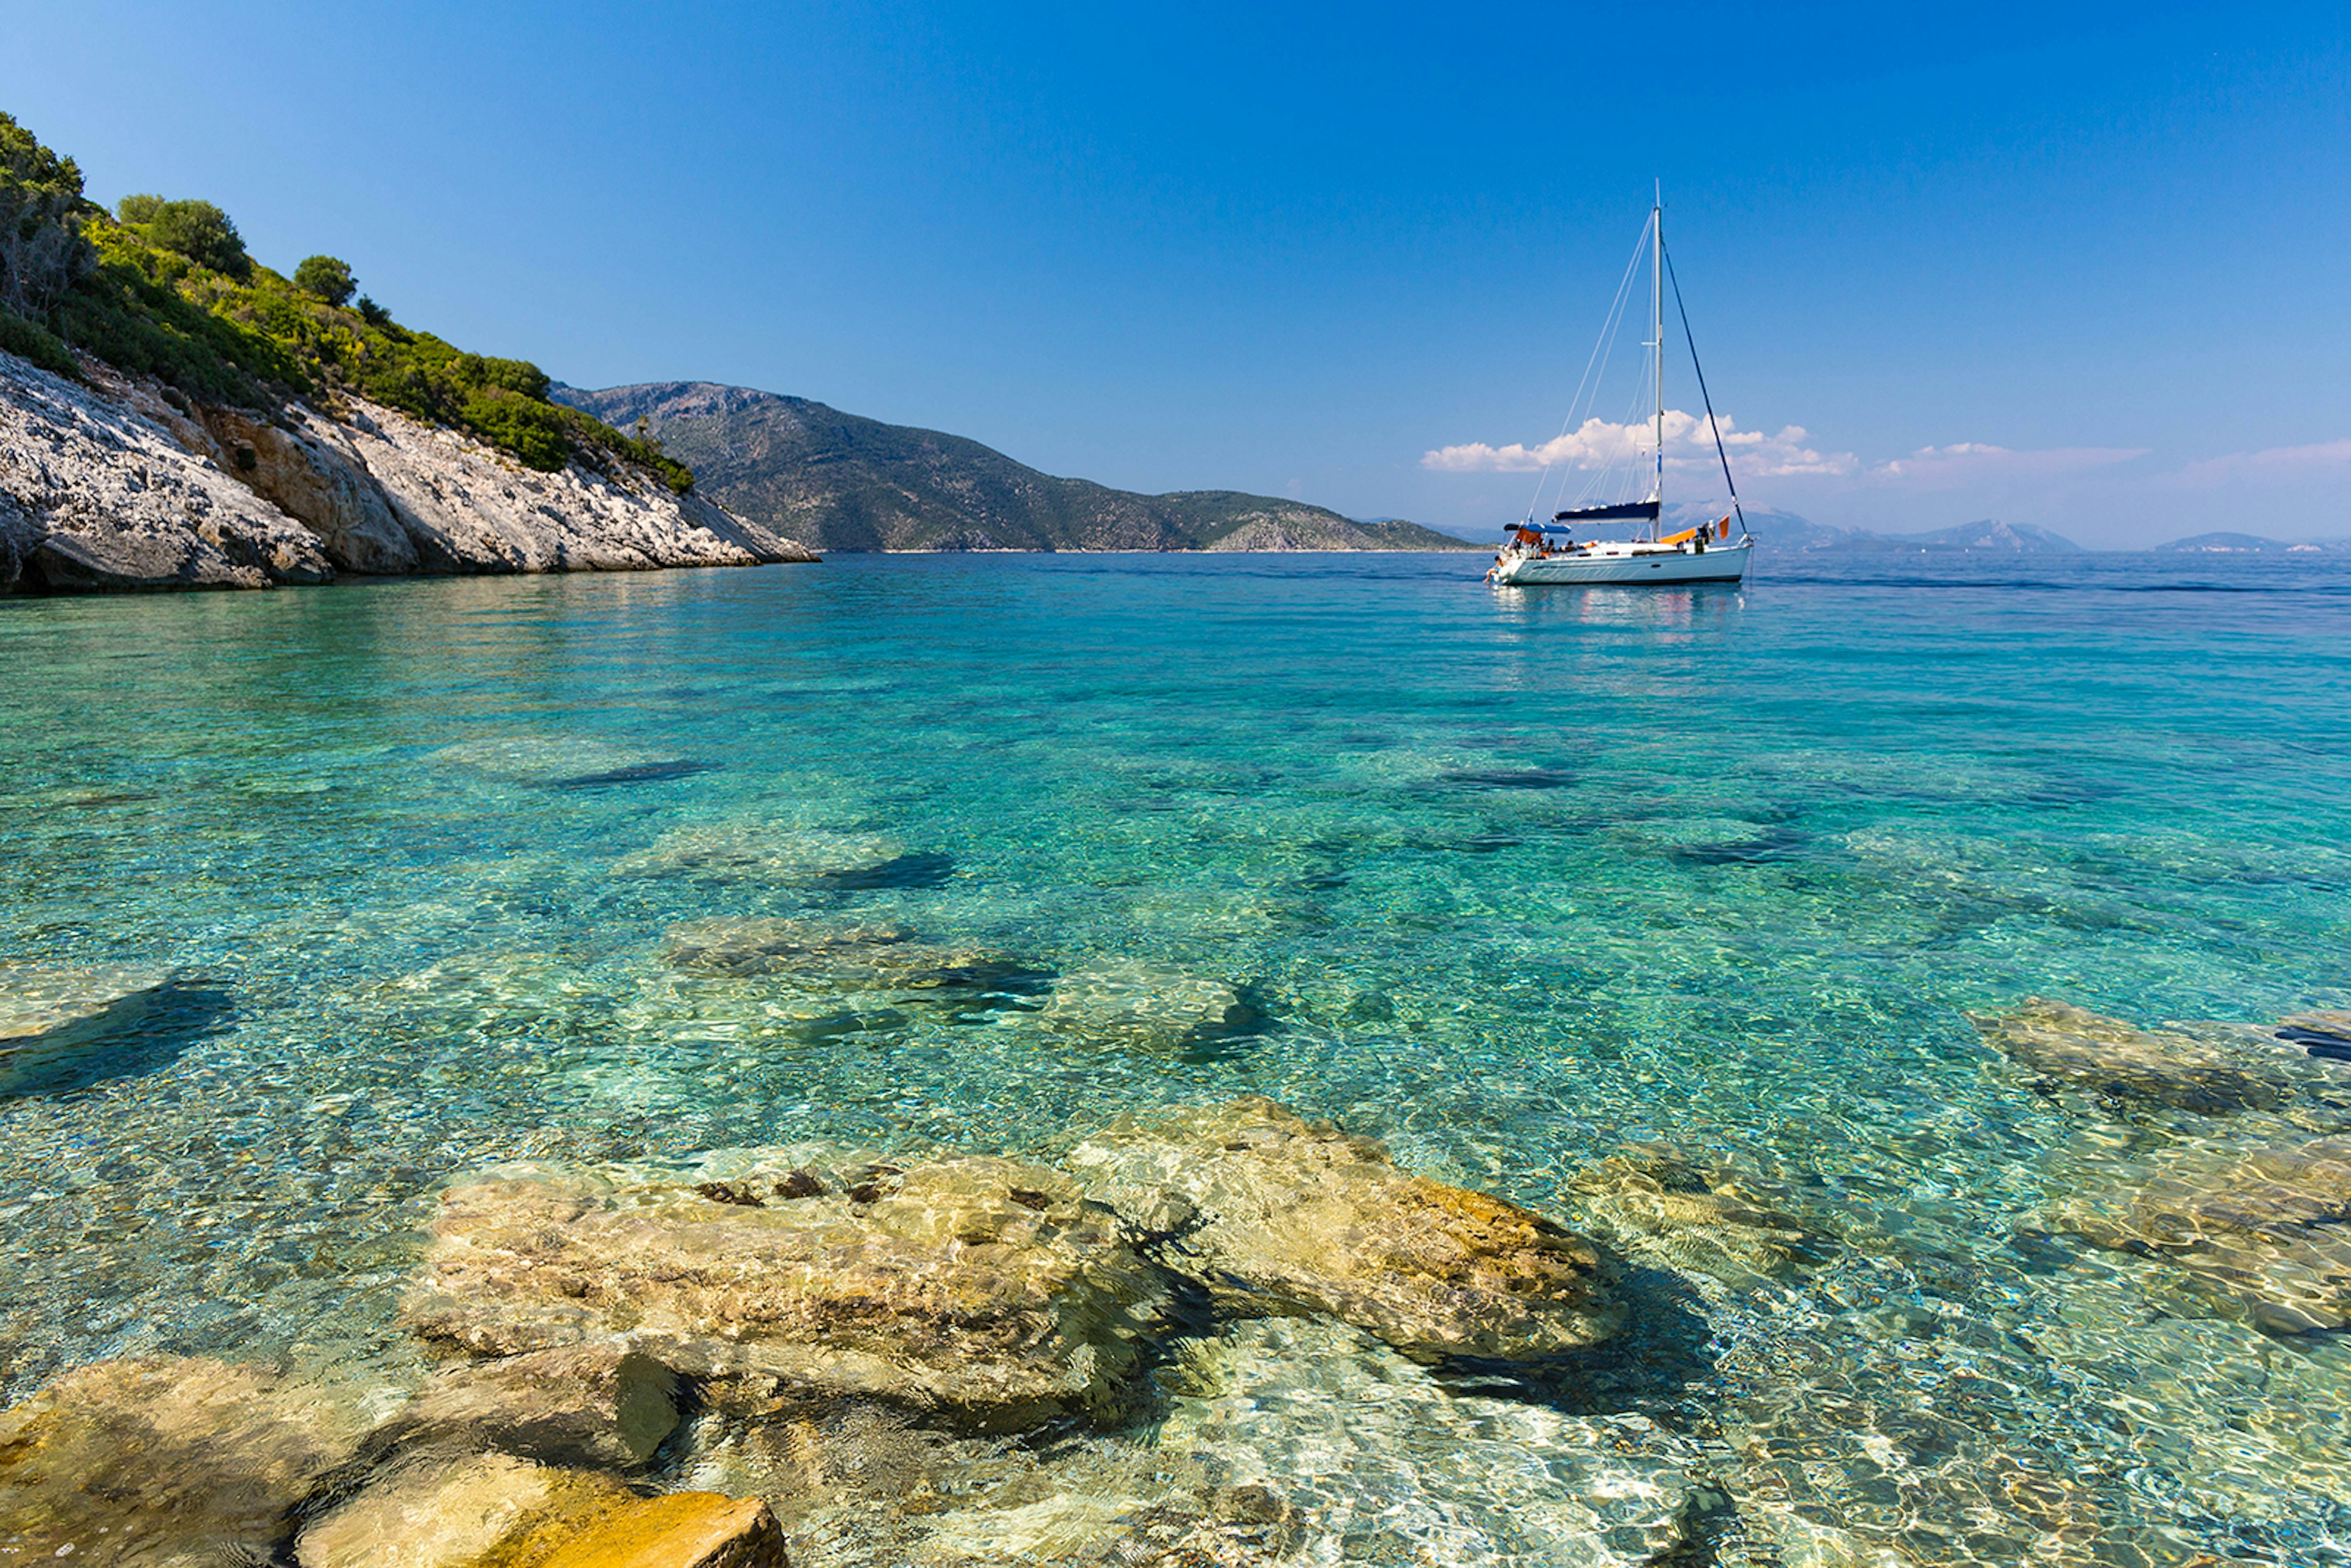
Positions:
{"x": 1509, "y": 879}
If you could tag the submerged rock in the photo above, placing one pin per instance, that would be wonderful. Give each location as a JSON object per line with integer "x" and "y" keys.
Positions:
{"x": 165, "y": 1461}
{"x": 2267, "y": 1226}
{"x": 2113, "y": 1059}
{"x": 684, "y": 1530}
{"x": 2324, "y": 1035}
{"x": 758, "y": 945}
{"x": 976, "y": 1286}
{"x": 780, "y": 855}
{"x": 481, "y": 1511}
{"x": 1134, "y": 1002}
{"x": 596, "y": 1406}
{"x": 564, "y": 761}
{"x": 1692, "y": 1216}
{"x": 48, "y": 1014}
{"x": 1277, "y": 1214}
{"x": 1371, "y": 1458}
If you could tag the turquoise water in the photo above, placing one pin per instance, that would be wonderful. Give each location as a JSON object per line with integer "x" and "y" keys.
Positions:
{"x": 1509, "y": 879}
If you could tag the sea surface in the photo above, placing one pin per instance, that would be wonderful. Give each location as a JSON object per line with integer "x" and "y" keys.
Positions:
{"x": 1515, "y": 880}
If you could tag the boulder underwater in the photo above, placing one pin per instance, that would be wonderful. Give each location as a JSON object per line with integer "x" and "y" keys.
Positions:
{"x": 2266, "y": 1226}
{"x": 982, "y": 1288}
{"x": 1706, "y": 1219}
{"x": 1132, "y": 1002}
{"x": 2119, "y": 1061}
{"x": 626, "y": 1330}
{"x": 166, "y": 1461}
{"x": 50, "y": 1015}
{"x": 1277, "y": 1214}
{"x": 759, "y": 945}
{"x": 594, "y": 1406}
{"x": 772, "y": 854}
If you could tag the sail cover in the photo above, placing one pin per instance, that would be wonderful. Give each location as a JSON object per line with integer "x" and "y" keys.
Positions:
{"x": 1647, "y": 512}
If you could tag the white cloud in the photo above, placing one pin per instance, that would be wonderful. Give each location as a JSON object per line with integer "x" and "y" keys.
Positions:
{"x": 1966, "y": 463}
{"x": 1689, "y": 444}
{"x": 2274, "y": 464}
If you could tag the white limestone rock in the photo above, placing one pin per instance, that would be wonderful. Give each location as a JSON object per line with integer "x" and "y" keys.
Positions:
{"x": 96, "y": 494}
{"x": 119, "y": 484}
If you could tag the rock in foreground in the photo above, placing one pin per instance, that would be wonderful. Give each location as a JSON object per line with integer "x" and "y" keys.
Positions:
{"x": 164, "y": 1461}
{"x": 464, "y": 1512}
{"x": 2113, "y": 1059}
{"x": 976, "y": 1286}
{"x": 2268, "y": 1225}
{"x": 684, "y": 1530}
{"x": 48, "y": 1014}
{"x": 1129, "y": 1002}
{"x": 1694, "y": 1217}
{"x": 1277, "y": 1214}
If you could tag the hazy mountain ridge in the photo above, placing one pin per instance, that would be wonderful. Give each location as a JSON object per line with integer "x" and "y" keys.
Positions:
{"x": 843, "y": 481}
{"x": 1787, "y": 532}
{"x": 2249, "y": 544}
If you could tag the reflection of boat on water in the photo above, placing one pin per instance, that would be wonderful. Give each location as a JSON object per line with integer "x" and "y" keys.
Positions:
{"x": 1548, "y": 552}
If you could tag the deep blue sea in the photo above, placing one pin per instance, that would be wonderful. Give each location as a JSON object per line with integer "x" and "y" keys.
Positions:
{"x": 1514, "y": 880}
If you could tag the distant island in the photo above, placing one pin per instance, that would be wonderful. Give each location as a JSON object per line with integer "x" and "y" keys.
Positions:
{"x": 1787, "y": 532}
{"x": 843, "y": 482}
{"x": 2252, "y": 544}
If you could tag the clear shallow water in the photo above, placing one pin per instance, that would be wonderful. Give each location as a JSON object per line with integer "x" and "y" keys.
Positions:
{"x": 1510, "y": 880}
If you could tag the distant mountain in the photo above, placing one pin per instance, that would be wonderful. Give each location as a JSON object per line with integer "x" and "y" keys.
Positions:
{"x": 1773, "y": 530}
{"x": 1997, "y": 537}
{"x": 847, "y": 483}
{"x": 2232, "y": 544}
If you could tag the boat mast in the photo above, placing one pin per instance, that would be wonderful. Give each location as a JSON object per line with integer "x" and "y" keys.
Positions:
{"x": 1657, "y": 333}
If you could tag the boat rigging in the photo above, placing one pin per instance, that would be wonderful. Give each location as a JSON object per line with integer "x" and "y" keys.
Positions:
{"x": 1548, "y": 552}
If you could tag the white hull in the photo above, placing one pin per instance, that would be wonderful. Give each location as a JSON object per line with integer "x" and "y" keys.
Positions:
{"x": 1627, "y": 564}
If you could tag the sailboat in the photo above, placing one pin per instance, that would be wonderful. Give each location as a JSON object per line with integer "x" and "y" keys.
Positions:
{"x": 1550, "y": 552}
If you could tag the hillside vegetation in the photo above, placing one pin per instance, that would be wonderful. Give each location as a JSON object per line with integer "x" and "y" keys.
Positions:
{"x": 841, "y": 482}
{"x": 166, "y": 288}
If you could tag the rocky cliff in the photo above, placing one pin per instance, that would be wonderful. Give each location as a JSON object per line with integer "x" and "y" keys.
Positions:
{"x": 846, "y": 483}
{"x": 124, "y": 484}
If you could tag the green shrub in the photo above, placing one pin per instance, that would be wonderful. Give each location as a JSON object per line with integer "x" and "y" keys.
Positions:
{"x": 31, "y": 340}
{"x": 374, "y": 314}
{"x": 534, "y": 432}
{"x": 197, "y": 230}
{"x": 327, "y": 277}
{"x": 137, "y": 209}
{"x": 511, "y": 375}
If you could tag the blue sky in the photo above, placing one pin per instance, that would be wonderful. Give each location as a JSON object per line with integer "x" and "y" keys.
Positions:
{"x": 2078, "y": 267}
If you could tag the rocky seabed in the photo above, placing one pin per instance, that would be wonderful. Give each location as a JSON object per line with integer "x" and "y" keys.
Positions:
{"x": 123, "y": 485}
{"x": 1212, "y": 1335}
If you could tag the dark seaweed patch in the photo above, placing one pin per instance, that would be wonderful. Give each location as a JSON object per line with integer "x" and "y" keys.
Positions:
{"x": 905, "y": 871}
{"x": 637, "y": 773}
{"x": 178, "y": 1017}
{"x": 1771, "y": 845}
{"x": 1248, "y": 1018}
{"x": 1509, "y": 779}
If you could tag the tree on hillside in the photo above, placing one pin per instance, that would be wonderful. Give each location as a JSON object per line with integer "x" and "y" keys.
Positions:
{"x": 197, "y": 230}
{"x": 41, "y": 247}
{"x": 327, "y": 277}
